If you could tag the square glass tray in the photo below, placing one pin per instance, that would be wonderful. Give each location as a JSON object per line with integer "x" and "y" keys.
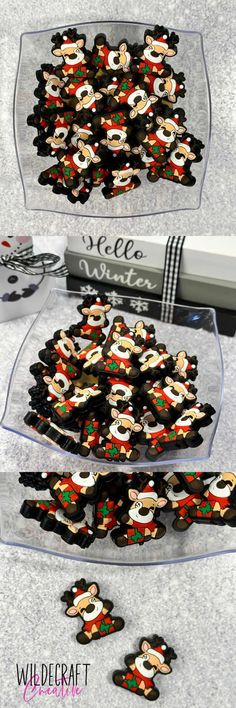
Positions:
{"x": 192, "y": 328}
{"x": 197, "y": 542}
{"x": 164, "y": 196}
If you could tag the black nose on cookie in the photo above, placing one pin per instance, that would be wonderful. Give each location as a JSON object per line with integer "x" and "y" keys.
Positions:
{"x": 143, "y": 511}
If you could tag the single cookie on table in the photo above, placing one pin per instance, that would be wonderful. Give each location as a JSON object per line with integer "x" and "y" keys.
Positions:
{"x": 154, "y": 656}
{"x": 84, "y": 600}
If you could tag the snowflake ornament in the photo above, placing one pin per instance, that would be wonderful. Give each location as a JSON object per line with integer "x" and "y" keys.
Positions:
{"x": 139, "y": 305}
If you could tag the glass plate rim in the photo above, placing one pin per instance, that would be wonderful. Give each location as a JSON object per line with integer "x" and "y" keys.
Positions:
{"x": 143, "y": 464}
{"x": 97, "y": 216}
{"x": 79, "y": 558}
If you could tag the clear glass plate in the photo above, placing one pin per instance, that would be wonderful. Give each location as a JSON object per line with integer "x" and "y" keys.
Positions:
{"x": 198, "y": 541}
{"x": 164, "y": 196}
{"x": 192, "y": 328}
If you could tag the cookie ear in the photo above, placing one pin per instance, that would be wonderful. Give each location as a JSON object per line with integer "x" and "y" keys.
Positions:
{"x": 123, "y": 47}
{"x": 165, "y": 669}
{"x": 170, "y": 52}
{"x": 114, "y": 413}
{"x": 115, "y": 335}
{"x": 80, "y": 43}
{"x": 93, "y": 589}
{"x": 57, "y": 52}
{"x": 132, "y": 494}
{"x": 148, "y": 39}
{"x": 47, "y": 380}
{"x": 71, "y": 611}
{"x": 145, "y": 645}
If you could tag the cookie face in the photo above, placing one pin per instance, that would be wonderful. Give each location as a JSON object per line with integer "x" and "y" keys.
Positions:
{"x": 84, "y": 601}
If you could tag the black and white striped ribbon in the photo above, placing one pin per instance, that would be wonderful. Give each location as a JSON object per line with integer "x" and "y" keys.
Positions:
{"x": 41, "y": 264}
{"x": 174, "y": 248}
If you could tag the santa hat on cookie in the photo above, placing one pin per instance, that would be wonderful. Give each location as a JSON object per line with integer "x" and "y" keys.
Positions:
{"x": 148, "y": 491}
{"x": 186, "y": 142}
{"x": 128, "y": 336}
{"x": 174, "y": 120}
{"x": 68, "y": 43}
{"x": 98, "y": 302}
{"x": 161, "y": 41}
{"x": 79, "y": 594}
{"x": 159, "y": 652}
{"x": 128, "y": 414}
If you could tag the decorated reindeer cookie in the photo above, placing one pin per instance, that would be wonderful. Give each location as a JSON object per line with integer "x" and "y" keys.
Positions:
{"x": 154, "y": 656}
{"x": 123, "y": 178}
{"x": 218, "y": 505}
{"x": 111, "y": 59}
{"x": 117, "y": 444}
{"x": 167, "y": 398}
{"x": 144, "y": 335}
{"x": 159, "y": 141}
{"x": 184, "y": 432}
{"x": 52, "y": 518}
{"x": 155, "y": 362}
{"x": 178, "y": 164}
{"x": 107, "y": 507}
{"x": 133, "y": 95}
{"x": 158, "y": 45}
{"x": 117, "y": 356}
{"x": 139, "y": 522}
{"x": 180, "y": 501}
{"x": 93, "y": 309}
{"x": 70, "y": 47}
{"x": 167, "y": 88}
{"x": 84, "y": 600}
{"x": 151, "y": 433}
{"x": 73, "y": 491}
{"x": 186, "y": 365}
